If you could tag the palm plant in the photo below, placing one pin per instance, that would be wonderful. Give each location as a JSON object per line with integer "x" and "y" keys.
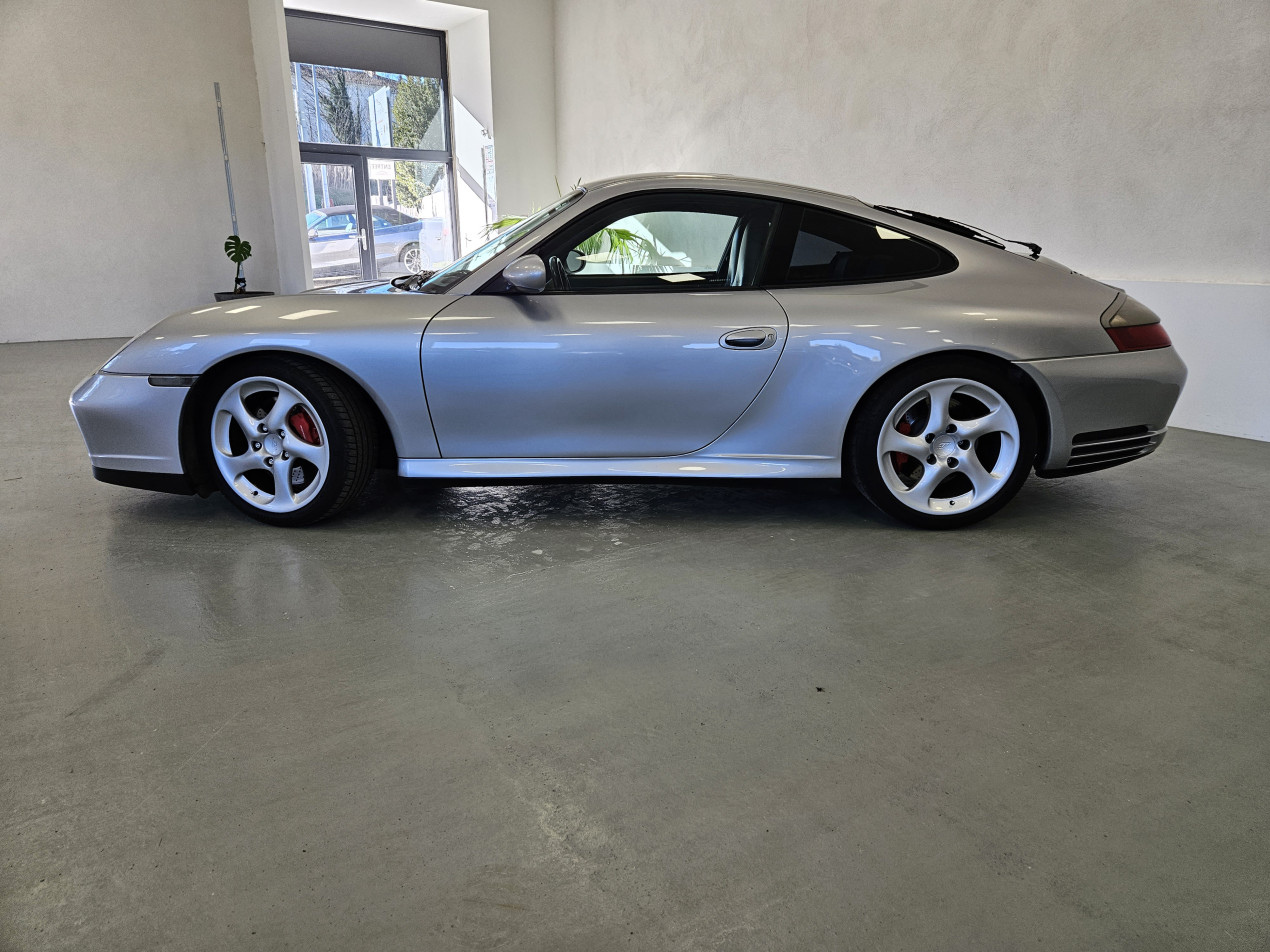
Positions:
{"x": 238, "y": 251}
{"x": 623, "y": 246}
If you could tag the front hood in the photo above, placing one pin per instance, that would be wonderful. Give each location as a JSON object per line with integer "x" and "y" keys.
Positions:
{"x": 321, "y": 325}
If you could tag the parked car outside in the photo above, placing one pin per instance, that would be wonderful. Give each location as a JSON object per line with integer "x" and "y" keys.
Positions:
{"x": 403, "y": 243}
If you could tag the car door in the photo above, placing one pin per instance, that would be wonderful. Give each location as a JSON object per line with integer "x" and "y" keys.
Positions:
{"x": 333, "y": 241}
{"x": 650, "y": 340}
{"x": 388, "y": 233}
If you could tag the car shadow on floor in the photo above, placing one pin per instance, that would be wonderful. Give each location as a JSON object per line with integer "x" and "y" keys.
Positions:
{"x": 393, "y": 504}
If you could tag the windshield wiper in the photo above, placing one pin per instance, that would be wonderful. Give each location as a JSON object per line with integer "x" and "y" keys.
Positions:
{"x": 960, "y": 228}
{"x": 411, "y": 282}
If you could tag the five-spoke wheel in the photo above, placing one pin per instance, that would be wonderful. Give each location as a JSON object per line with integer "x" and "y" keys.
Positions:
{"x": 412, "y": 258}
{"x": 269, "y": 444}
{"x": 287, "y": 443}
{"x": 943, "y": 443}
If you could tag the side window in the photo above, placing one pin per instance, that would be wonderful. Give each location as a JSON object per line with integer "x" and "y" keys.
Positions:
{"x": 334, "y": 223}
{"x": 675, "y": 243}
{"x": 829, "y": 248}
{"x": 667, "y": 242}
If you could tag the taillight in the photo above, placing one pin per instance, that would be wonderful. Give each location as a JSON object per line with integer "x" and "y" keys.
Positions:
{"x": 1134, "y": 326}
{"x": 1140, "y": 337}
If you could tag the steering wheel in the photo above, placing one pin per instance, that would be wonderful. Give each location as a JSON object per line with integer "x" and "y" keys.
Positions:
{"x": 559, "y": 274}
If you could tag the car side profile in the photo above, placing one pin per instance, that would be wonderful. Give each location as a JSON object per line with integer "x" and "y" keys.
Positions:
{"x": 656, "y": 326}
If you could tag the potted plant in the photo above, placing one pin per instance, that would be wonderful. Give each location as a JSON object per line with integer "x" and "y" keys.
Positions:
{"x": 238, "y": 251}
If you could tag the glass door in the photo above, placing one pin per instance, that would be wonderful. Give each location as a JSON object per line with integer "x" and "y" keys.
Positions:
{"x": 337, "y": 240}
{"x": 411, "y": 216}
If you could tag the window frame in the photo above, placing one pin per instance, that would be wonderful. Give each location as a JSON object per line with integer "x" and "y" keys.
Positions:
{"x": 359, "y": 156}
{"x": 784, "y": 237}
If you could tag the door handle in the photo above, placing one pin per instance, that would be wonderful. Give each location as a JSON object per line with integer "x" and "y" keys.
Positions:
{"x": 362, "y": 235}
{"x": 749, "y": 338}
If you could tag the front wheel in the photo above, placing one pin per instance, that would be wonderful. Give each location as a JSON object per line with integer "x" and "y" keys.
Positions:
{"x": 288, "y": 444}
{"x": 943, "y": 444}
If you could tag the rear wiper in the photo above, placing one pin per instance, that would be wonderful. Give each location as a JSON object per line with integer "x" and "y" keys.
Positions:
{"x": 960, "y": 228}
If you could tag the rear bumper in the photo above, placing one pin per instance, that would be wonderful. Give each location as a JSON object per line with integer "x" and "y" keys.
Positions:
{"x": 130, "y": 426}
{"x": 1105, "y": 409}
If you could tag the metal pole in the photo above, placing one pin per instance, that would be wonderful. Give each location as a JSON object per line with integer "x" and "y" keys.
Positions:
{"x": 229, "y": 181}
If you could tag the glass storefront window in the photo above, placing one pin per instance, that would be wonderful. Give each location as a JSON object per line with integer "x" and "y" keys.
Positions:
{"x": 410, "y": 209}
{"x": 342, "y": 106}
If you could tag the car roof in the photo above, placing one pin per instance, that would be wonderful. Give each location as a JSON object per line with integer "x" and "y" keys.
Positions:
{"x": 708, "y": 180}
{"x": 374, "y": 209}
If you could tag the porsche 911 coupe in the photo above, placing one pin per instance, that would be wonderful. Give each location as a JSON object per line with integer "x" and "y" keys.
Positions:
{"x": 659, "y": 327}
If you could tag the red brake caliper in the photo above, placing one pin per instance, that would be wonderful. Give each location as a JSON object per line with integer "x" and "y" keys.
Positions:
{"x": 899, "y": 459}
{"x": 304, "y": 427}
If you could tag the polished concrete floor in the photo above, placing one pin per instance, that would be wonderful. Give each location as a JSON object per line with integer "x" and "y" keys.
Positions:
{"x": 590, "y": 717}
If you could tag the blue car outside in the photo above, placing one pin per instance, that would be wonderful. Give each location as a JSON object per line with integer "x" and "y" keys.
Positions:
{"x": 403, "y": 243}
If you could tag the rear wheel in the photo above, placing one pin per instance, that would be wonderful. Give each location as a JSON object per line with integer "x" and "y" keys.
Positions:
{"x": 943, "y": 444}
{"x": 288, "y": 444}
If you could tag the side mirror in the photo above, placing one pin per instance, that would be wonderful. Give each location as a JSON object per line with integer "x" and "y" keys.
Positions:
{"x": 574, "y": 262}
{"x": 527, "y": 274}
{"x": 312, "y": 232}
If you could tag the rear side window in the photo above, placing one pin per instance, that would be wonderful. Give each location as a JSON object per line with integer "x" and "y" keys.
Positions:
{"x": 822, "y": 247}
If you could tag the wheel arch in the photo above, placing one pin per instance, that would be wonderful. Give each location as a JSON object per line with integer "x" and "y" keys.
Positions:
{"x": 1036, "y": 400}
{"x": 193, "y": 450}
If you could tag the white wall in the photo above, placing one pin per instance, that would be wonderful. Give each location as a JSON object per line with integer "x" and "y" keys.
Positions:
{"x": 280, "y": 136}
{"x": 1129, "y": 137}
{"x": 115, "y": 210}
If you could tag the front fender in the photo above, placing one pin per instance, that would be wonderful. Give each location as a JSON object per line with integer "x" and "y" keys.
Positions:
{"x": 374, "y": 340}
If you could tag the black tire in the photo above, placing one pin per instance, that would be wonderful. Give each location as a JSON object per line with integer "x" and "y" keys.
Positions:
{"x": 342, "y": 414}
{"x": 1000, "y": 459}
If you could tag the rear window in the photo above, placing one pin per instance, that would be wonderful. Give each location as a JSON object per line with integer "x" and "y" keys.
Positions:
{"x": 823, "y": 247}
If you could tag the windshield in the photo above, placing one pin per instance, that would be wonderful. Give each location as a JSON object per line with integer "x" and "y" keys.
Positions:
{"x": 442, "y": 281}
{"x": 312, "y": 218}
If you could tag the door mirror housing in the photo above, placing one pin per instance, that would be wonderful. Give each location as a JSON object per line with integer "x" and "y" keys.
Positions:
{"x": 527, "y": 274}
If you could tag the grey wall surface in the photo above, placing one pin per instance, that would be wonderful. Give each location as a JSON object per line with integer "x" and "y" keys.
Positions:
{"x": 115, "y": 209}
{"x": 1128, "y": 137}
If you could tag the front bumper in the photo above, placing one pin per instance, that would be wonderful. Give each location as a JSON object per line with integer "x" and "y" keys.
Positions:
{"x": 1105, "y": 409}
{"x": 131, "y": 428}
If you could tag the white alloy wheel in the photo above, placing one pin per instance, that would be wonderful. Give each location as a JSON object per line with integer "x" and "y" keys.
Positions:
{"x": 270, "y": 444}
{"x": 948, "y": 446}
{"x": 412, "y": 258}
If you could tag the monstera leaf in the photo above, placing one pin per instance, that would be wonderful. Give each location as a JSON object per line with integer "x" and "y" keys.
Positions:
{"x": 237, "y": 250}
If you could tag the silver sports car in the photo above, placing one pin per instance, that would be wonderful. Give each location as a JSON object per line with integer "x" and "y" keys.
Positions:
{"x": 655, "y": 327}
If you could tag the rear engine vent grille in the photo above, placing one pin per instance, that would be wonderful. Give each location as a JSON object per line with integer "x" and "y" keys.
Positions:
{"x": 1100, "y": 447}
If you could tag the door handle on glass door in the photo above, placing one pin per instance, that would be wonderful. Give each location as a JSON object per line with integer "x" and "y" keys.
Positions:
{"x": 749, "y": 338}
{"x": 362, "y": 235}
